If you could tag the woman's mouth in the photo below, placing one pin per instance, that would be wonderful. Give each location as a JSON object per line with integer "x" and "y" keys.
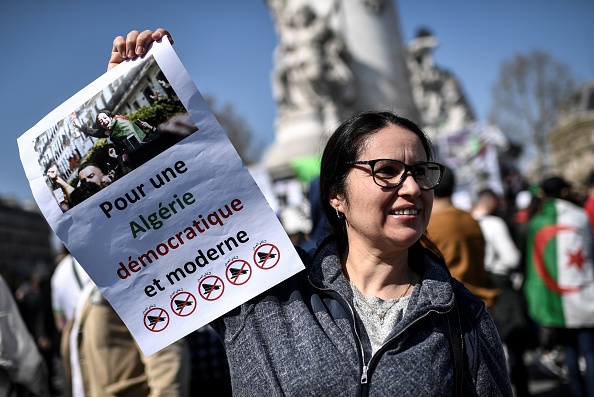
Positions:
{"x": 408, "y": 211}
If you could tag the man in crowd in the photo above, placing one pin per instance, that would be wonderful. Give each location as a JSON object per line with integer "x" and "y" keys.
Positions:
{"x": 459, "y": 238}
{"x": 559, "y": 283}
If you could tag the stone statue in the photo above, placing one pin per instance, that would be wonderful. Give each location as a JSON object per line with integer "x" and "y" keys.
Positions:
{"x": 311, "y": 72}
{"x": 437, "y": 92}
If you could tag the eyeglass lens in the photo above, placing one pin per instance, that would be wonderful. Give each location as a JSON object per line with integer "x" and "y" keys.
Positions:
{"x": 391, "y": 173}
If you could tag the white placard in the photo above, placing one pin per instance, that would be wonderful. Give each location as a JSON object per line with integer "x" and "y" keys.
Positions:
{"x": 179, "y": 237}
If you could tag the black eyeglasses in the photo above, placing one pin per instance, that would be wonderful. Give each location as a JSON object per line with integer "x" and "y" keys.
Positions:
{"x": 391, "y": 173}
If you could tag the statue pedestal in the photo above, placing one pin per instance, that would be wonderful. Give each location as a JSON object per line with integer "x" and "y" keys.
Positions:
{"x": 298, "y": 135}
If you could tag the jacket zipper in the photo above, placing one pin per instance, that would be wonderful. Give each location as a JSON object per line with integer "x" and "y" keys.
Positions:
{"x": 354, "y": 325}
{"x": 364, "y": 375}
{"x": 365, "y": 367}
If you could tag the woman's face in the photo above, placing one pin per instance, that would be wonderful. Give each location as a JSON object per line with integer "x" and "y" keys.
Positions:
{"x": 104, "y": 120}
{"x": 388, "y": 220}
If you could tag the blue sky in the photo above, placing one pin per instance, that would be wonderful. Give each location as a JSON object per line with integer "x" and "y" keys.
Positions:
{"x": 52, "y": 49}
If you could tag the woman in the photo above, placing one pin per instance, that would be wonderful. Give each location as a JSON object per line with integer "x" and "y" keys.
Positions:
{"x": 122, "y": 131}
{"x": 369, "y": 315}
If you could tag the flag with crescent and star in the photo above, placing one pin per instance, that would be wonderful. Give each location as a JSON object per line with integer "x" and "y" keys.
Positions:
{"x": 559, "y": 282}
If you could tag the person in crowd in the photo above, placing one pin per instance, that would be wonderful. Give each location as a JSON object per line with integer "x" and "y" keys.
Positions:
{"x": 22, "y": 368}
{"x": 65, "y": 205}
{"x": 548, "y": 357}
{"x": 88, "y": 171}
{"x": 459, "y": 238}
{"x": 83, "y": 191}
{"x": 589, "y": 203}
{"x": 33, "y": 298}
{"x": 92, "y": 178}
{"x": 134, "y": 143}
{"x": 501, "y": 254}
{"x": 67, "y": 283}
{"x": 524, "y": 205}
{"x": 92, "y": 172}
{"x": 559, "y": 285}
{"x": 54, "y": 175}
{"x": 210, "y": 368}
{"x": 105, "y": 360}
{"x": 502, "y": 258}
{"x": 513, "y": 183}
{"x": 373, "y": 305}
{"x": 319, "y": 223}
{"x": 122, "y": 131}
{"x": 296, "y": 223}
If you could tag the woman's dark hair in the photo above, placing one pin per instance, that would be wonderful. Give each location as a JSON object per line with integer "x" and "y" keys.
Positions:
{"x": 446, "y": 185}
{"x": 92, "y": 164}
{"x": 344, "y": 146}
{"x": 107, "y": 113}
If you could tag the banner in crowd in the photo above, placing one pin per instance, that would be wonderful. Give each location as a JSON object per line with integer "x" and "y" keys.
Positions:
{"x": 472, "y": 153}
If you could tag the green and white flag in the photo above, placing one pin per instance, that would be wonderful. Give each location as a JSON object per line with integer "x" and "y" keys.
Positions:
{"x": 559, "y": 283}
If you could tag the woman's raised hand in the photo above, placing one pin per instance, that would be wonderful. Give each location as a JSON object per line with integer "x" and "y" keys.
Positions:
{"x": 135, "y": 44}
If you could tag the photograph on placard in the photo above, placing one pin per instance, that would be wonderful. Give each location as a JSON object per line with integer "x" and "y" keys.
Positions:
{"x": 124, "y": 125}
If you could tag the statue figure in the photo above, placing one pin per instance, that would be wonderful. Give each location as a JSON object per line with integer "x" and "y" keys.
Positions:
{"x": 437, "y": 92}
{"x": 311, "y": 72}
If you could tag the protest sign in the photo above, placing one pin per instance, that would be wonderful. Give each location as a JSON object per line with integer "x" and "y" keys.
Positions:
{"x": 472, "y": 152}
{"x": 167, "y": 220}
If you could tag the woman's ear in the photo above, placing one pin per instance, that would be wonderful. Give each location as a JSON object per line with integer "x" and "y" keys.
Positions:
{"x": 337, "y": 202}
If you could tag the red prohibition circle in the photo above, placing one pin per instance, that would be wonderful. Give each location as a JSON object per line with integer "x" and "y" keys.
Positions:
{"x": 237, "y": 268}
{"x": 181, "y": 301}
{"x": 210, "y": 288}
{"x": 154, "y": 319}
{"x": 266, "y": 253}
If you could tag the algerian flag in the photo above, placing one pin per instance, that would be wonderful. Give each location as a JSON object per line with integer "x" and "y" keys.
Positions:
{"x": 559, "y": 283}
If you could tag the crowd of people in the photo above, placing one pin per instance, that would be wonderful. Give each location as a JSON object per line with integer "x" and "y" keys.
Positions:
{"x": 403, "y": 292}
{"x": 498, "y": 250}
{"x": 527, "y": 253}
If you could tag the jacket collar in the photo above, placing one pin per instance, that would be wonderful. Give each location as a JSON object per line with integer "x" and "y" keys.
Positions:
{"x": 434, "y": 292}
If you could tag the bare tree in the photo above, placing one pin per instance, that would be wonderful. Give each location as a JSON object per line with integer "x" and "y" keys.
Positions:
{"x": 526, "y": 102}
{"x": 239, "y": 133}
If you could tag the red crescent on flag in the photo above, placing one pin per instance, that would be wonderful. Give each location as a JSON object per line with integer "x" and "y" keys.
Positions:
{"x": 541, "y": 239}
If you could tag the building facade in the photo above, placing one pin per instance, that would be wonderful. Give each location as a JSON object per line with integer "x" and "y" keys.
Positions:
{"x": 572, "y": 139}
{"x": 25, "y": 242}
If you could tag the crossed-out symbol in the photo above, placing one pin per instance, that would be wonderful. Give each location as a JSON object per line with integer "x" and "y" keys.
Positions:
{"x": 183, "y": 304}
{"x": 266, "y": 256}
{"x": 239, "y": 272}
{"x": 156, "y": 319}
{"x": 211, "y": 288}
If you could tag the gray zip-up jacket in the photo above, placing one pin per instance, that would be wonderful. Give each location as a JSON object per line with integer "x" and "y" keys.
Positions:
{"x": 299, "y": 339}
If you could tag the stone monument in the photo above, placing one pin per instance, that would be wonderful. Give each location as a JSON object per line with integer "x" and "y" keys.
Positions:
{"x": 437, "y": 92}
{"x": 333, "y": 58}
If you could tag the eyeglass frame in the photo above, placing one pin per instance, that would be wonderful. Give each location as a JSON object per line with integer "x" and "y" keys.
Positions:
{"x": 407, "y": 168}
